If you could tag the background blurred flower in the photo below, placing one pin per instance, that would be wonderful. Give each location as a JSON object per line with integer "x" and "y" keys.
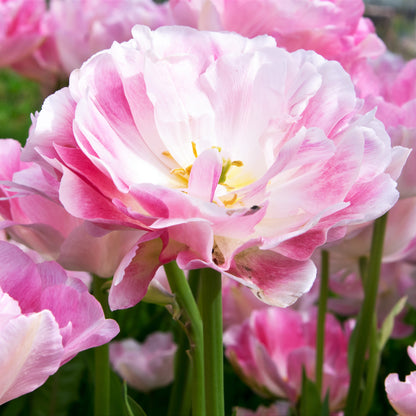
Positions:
{"x": 336, "y": 30}
{"x": 21, "y": 29}
{"x": 145, "y": 366}
{"x": 277, "y": 409}
{"x": 31, "y": 213}
{"x": 270, "y": 350}
{"x": 80, "y": 28}
{"x": 46, "y": 318}
{"x": 402, "y": 394}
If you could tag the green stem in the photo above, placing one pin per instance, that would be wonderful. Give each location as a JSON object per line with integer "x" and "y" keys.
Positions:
{"x": 320, "y": 331}
{"x": 373, "y": 366}
{"x": 181, "y": 393}
{"x": 366, "y": 316}
{"x": 211, "y": 310}
{"x": 180, "y": 396}
{"x": 101, "y": 358}
{"x": 181, "y": 289}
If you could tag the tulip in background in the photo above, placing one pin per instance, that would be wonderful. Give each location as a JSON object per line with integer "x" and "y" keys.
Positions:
{"x": 46, "y": 318}
{"x": 402, "y": 394}
{"x": 38, "y": 220}
{"x": 273, "y": 346}
{"x": 21, "y": 30}
{"x": 145, "y": 366}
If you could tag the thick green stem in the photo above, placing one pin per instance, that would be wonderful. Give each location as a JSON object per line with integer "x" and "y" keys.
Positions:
{"x": 181, "y": 289}
{"x": 366, "y": 315}
{"x": 181, "y": 393}
{"x": 320, "y": 331}
{"x": 101, "y": 358}
{"x": 211, "y": 310}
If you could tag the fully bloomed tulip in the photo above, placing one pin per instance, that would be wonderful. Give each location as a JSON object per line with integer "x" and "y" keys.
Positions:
{"x": 228, "y": 152}
{"x": 145, "y": 366}
{"x": 46, "y": 318}
{"x": 21, "y": 29}
{"x": 402, "y": 394}
{"x": 270, "y": 350}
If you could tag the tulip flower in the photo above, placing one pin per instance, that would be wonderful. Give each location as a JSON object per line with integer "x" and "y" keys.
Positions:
{"x": 21, "y": 30}
{"x": 145, "y": 366}
{"x": 46, "y": 318}
{"x": 402, "y": 394}
{"x": 227, "y": 152}
{"x": 273, "y": 346}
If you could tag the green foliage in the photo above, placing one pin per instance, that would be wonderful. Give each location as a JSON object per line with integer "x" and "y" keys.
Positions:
{"x": 310, "y": 401}
{"x": 19, "y": 97}
{"x": 56, "y": 397}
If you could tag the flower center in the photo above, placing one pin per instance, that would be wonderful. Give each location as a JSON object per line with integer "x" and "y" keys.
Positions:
{"x": 182, "y": 175}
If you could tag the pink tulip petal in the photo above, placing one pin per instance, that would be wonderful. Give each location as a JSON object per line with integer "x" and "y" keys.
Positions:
{"x": 205, "y": 174}
{"x": 30, "y": 351}
{"x": 270, "y": 275}
{"x": 134, "y": 274}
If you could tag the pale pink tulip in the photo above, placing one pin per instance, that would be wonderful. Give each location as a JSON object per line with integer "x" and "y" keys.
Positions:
{"x": 334, "y": 29}
{"x": 31, "y": 213}
{"x": 46, "y": 318}
{"x": 76, "y": 29}
{"x": 21, "y": 29}
{"x": 402, "y": 394}
{"x": 271, "y": 348}
{"x": 227, "y": 152}
{"x": 145, "y": 366}
{"x": 388, "y": 83}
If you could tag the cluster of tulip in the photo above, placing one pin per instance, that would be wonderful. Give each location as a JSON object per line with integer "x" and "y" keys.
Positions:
{"x": 246, "y": 164}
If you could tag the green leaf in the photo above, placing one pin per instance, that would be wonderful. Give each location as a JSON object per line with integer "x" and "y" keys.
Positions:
{"x": 310, "y": 401}
{"x": 15, "y": 407}
{"x": 388, "y": 323}
{"x": 60, "y": 391}
{"x": 132, "y": 408}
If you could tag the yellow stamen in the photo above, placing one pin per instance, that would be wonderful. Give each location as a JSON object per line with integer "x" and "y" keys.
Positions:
{"x": 237, "y": 163}
{"x": 167, "y": 154}
{"x": 194, "y": 149}
{"x": 231, "y": 201}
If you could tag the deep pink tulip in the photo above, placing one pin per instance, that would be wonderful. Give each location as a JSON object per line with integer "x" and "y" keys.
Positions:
{"x": 402, "y": 394}
{"x": 271, "y": 348}
{"x": 227, "y": 152}
{"x": 145, "y": 366}
{"x": 32, "y": 214}
{"x": 46, "y": 318}
{"x": 21, "y": 29}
